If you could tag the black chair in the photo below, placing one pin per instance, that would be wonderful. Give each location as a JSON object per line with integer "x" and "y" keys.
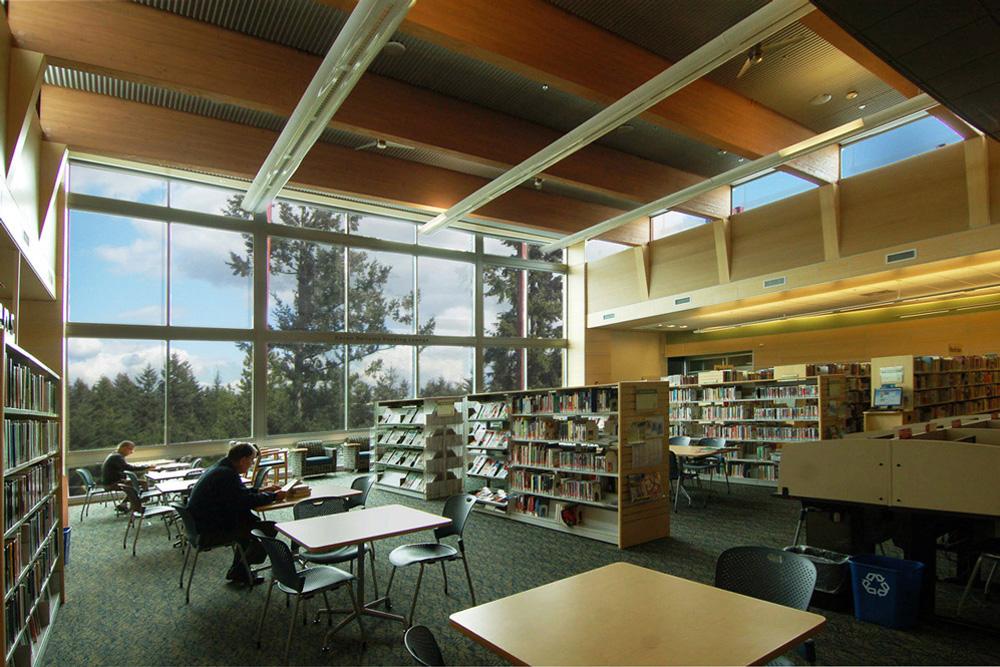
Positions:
{"x": 678, "y": 474}
{"x": 131, "y": 479}
{"x": 420, "y": 642}
{"x": 303, "y": 584}
{"x": 771, "y": 575}
{"x": 196, "y": 463}
{"x": 680, "y": 441}
{"x": 711, "y": 464}
{"x": 363, "y": 484}
{"x": 310, "y": 507}
{"x": 457, "y": 508}
{"x": 92, "y": 489}
{"x": 989, "y": 550}
{"x": 194, "y": 540}
{"x": 139, "y": 511}
{"x": 260, "y": 476}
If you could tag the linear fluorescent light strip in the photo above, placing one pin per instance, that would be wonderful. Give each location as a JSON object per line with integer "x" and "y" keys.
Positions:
{"x": 911, "y": 106}
{"x": 755, "y": 28}
{"x": 368, "y": 28}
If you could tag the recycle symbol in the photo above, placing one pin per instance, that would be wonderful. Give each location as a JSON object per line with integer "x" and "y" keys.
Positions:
{"x": 875, "y": 584}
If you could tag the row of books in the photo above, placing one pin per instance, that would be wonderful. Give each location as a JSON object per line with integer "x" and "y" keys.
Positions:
{"x": 28, "y": 607}
{"x": 553, "y": 485}
{"x": 743, "y": 470}
{"x": 491, "y": 411}
{"x": 938, "y": 380}
{"x": 401, "y": 457}
{"x": 405, "y": 415}
{"x": 24, "y": 491}
{"x": 532, "y": 505}
{"x": 556, "y": 457}
{"x": 26, "y": 439}
{"x": 597, "y": 399}
{"x": 401, "y": 437}
{"x": 28, "y": 390}
{"x": 808, "y": 411}
{"x": 20, "y": 549}
{"x": 411, "y": 480}
{"x": 755, "y": 432}
{"x": 578, "y": 430}
{"x": 487, "y": 467}
{"x": 970, "y": 363}
{"x": 7, "y": 320}
{"x": 932, "y": 396}
{"x": 492, "y": 496}
{"x": 727, "y": 412}
{"x": 483, "y": 437}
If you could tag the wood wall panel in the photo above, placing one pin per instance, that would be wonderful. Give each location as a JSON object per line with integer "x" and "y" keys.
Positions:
{"x": 993, "y": 156}
{"x": 612, "y": 281}
{"x": 918, "y": 198}
{"x": 779, "y": 236}
{"x": 683, "y": 262}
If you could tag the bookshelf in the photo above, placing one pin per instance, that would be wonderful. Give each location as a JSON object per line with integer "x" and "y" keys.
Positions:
{"x": 758, "y": 413}
{"x": 488, "y": 428}
{"x": 32, "y": 504}
{"x": 420, "y": 446}
{"x": 591, "y": 461}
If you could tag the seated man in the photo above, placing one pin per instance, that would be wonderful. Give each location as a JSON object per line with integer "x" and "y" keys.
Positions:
{"x": 221, "y": 507}
{"x": 115, "y": 465}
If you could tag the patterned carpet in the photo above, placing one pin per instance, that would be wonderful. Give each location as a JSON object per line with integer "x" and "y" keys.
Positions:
{"x": 125, "y": 610}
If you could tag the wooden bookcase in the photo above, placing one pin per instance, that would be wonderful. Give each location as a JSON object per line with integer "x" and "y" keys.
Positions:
{"x": 487, "y": 470}
{"x": 939, "y": 387}
{"x": 759, "y": 415}
{"x": 32, "y": 467}
{"x": 420, "y": 446}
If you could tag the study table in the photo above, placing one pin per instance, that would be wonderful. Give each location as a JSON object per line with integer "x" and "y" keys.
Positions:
{"x": 161, "y": 475}
{"x": 623, "y": 614}
{"x": 316, "y": 492}
{"x": 693, "y": 452}
{"x": 176, "y": 485}
{"x": 326, "y": 533}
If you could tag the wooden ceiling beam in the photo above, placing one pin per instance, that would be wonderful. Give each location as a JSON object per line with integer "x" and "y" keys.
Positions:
{"x": 149, "y": 46}
{"x": 134, "y": 131}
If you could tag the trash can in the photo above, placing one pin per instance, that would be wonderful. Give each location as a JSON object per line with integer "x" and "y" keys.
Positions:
{"x": 886, "y": 590}
{"x": 833, "y": 577}
{"x": 67, "y": 531}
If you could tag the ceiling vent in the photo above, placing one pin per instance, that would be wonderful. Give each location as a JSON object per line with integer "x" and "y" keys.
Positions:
{"x": 681, "y": 301}
{"x": 608, "y": 316}
{"x": 774, "y": 282}
{"x": 902, "y": 256}
{"x": 881, "y": 292}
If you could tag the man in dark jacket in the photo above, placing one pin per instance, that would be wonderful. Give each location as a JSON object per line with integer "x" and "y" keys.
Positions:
{"x": 115, "y": 465}
{"x": 222, "y": 505}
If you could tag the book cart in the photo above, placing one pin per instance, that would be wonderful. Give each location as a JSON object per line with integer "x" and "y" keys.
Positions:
{"x": 420, "y": 446}
{"x": 759, "y": 412}
{"x": 32, "y": 512}
{"x": 488, "y": 427}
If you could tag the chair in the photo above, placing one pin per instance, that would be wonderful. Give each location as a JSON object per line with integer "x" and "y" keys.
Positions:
{"x": 711, "y": 464}
{"x": 195, "y": 463}
{"x": 194, "y": 540}
{"x": 680, "y": 441}
{"x": 303, "y": 584}
{"x": 771, "y": 575}
{"x": 92, "y": 488}
{"x": 990, "y": 550}
{"x": 131, "y": 479}
{"x": 276, "y": 461}
{"x": 139, "y": 511}
{"x": 457, "y": 508}
{"x": 420, "y": 642}
{"x": 260, "y": 476}
{"x": 363, "y": 484}
{"x": 310, "y": 507}
{"x": 310, "y": 457}
{"x": 677, "y": 475}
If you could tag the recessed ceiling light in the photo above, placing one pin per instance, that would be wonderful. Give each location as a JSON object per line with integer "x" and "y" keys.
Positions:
{"x": 660, "y": 324}
{"x": 545, "y": 86}
{"x": 624, "y": 128}
{"x": 862, "y": 106}
{"x": 671, "y": 326}
{"x": 722, "y": 152}
{"x": 822, "y": 98}
{"x": 851, "y": 95}
{"x": 682, "y": 326}
{"x": 394, "y": 49}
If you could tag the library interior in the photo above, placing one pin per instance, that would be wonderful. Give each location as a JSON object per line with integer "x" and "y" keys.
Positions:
{"x": 569, "y": 321}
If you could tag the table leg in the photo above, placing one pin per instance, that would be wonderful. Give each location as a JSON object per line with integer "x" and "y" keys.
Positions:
{"x": 367, "y": 608}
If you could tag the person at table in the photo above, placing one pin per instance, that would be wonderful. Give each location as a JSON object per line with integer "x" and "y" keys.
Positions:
{"x": 222, "y": 507}
{"x": 114, "y": 466}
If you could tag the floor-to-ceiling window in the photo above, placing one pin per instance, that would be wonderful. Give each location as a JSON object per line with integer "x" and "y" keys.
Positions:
{"x": 191, "y": 320}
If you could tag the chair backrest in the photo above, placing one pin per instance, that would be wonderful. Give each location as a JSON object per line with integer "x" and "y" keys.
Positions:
{"x": 457, "y": 508}
{"x": 190, "y": 528}
{"x": 260, "y": 475}
{"x": 193, "y": 474}
{"x": 88, "y": 480}
{"x": 767, "y": 574}
{"x": 363, "y": 484}
{"x": 196, "y": 463}
{"x": 420, "y": 642}
{"x": 132, "y": 496}
{"x": 133, "y": 480}
{"x": 715, "y": 443}
{"x": 675, "y": 469}
{"x": 680, "y": 440}
{"x": 310, "y": 507}
{"x": 282, "y": 561}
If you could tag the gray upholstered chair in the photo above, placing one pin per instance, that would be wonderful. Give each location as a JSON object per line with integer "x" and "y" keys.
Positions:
{"x": 310, "y": 457}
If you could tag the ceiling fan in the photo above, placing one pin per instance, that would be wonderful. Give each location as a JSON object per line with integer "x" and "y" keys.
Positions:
{"x": 757, "y": 52}
{"x": 381, "y": 145}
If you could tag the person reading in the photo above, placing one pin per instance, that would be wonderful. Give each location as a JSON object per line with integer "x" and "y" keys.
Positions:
{"x": 222, "y": 508}
{"x": 114, "y": 466}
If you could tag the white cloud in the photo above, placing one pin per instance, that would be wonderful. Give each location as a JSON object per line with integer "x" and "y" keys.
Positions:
{"x": 143, "y": 256}
{"x": 147, "y": 315}
{"x": 204, "y": 199}
{"x": 118, "y": 185}
{"x": 93, "y": 358}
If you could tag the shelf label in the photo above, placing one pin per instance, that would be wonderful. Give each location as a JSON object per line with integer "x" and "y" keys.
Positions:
{"x": 645, "y": 399}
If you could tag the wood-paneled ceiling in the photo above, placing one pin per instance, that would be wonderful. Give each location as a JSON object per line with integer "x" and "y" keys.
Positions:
{"x": 207, "y": 84}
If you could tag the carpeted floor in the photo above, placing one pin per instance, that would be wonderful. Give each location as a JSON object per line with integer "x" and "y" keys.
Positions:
{"x": 125, "y": 610}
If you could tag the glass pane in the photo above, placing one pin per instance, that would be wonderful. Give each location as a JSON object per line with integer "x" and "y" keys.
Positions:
{"x": 535, "y": 252}
{"x": 502, "y": 247}
{"x": 545, "y": 367}
{"x": 674, "y": 222}
{"x": 445, "y": 371}
{"x": 381, "y": 299}
{"x": 114, "y": 184}
{"x": 503, "y": 369}
{"x": 189, "y": 196}
{"x": 209, "y": 284}
{"x": 450, "y": 239}
{"x": 766, "y": 189}
{"x": 308, "y": 216}
{"x": 210, "y": 389}
{"x": 117, "y": 269}
{"x": 444, "y": 297}
{"x": 386, "y": 229}
{"x": 595, "y": 249}
{"x": 305, "y": 388}
{"x": 545, "y": 304}
{"x": 894, "y": 145}
{"x": 305, "y": 285}
{"x": 503, "y": 301}
{"x": 115, "y": 392}
{"x": 377, "y": 373}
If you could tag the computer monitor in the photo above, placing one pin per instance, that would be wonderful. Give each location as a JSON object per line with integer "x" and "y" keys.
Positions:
{"x": 888, "y": 397}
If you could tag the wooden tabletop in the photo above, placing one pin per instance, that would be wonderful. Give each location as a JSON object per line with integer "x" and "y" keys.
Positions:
{"x": 159, "y": 476}
{"x": 324, "y": 533}
{"x": 692, "y": 452}
{"x": 322, "y": 491}
{"x": 622, "y": 614}
{"x": 175, "y": 485}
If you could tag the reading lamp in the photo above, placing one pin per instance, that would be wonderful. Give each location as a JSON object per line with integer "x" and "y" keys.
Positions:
{"x": 368, "y": 28}
{"x": 754, "y": 29}
{"x": 911, "y": 106}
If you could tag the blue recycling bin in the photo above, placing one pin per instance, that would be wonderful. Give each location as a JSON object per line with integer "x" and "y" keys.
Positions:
{"x": 886, "y": 590}
{"x": 67, "y": 531}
